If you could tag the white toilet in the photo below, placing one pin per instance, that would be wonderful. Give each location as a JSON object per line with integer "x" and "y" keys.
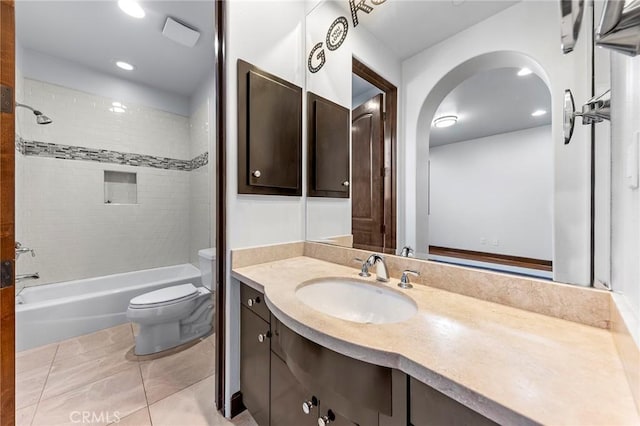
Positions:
{"x": 175, "y": 315}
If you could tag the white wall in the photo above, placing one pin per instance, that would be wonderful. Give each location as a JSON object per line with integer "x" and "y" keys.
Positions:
{"x": 270, "y": 35}
{"x": 531, "y": 29}
{"x": 625, "y": 207}
{"x": 497, "y": 189}
{"x": 40, "y": 66}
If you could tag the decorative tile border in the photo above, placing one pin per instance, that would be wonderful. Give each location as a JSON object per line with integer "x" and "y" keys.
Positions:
{"x": 69, "y": 152}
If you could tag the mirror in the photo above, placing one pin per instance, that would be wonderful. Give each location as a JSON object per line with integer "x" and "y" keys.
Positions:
{"x": 134, "y": 99}
{"x": 471, "y": 167}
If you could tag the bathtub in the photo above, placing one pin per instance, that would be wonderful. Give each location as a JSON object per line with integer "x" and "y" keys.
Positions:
{"x": 54, "y": 312}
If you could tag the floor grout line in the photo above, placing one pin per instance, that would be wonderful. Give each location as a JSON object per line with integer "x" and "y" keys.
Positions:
{"x": 44, "y": 385}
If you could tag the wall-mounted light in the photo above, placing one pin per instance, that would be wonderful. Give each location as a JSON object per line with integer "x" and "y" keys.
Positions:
{"x": 538, "y": 113}
{"x": 524, "y": 71}
{"x": 445, "y": 121}
{"x": 131, "y": 8}
{"x": 125, "y": 66}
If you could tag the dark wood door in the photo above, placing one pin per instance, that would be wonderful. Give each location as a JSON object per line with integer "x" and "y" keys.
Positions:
{"x": 7, "y": 215}
{"x": 255, "y": 364}
{"x": 367, "y": 139}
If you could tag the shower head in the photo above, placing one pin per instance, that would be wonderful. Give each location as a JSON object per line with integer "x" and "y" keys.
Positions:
{"x": 40, "y": 117}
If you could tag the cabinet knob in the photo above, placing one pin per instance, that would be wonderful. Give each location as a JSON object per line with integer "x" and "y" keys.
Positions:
{"x": 325, "y": 420}
{"x": 262, "y": 337}
{"x": 253, "y": 301}
{"x": 307, "y": 406}
{"x": 345, "y": 183}
{"x": 256, "y": 174}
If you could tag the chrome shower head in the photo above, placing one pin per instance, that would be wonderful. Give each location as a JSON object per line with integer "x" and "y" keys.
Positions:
{"x": 40, "y": 117}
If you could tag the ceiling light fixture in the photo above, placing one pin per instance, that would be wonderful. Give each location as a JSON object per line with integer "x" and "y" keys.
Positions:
{"x": 524, "y": 71}
{"x": 125, "y": 66}
{"x": 131, "y": 8}
{"x": 445, "y": 121}
{"x": 538, "y": 113}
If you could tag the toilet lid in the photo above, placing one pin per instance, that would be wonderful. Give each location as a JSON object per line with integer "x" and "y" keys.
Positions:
{"x": 173, "y": 294}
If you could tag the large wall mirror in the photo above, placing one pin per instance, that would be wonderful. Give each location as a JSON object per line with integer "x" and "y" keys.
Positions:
{"x": 469, "y": 167}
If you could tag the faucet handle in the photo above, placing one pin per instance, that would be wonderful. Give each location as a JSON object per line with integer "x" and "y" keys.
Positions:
{"x": 404, "y": 280}
{"x": 364, "y": 269}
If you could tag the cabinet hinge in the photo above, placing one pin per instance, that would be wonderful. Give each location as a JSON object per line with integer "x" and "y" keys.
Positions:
{"x": 6, "y": 273}
{"x": 383, "y": 229}
{"x": 6, "y": 99}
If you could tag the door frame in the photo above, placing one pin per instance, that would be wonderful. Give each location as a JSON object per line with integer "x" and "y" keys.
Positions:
{"x": 7, "y": 216}
{"x": 390, "y": 125}
{"x": 221, "y": 206}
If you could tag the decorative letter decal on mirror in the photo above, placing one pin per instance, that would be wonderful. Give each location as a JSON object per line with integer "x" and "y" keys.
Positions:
{"x": 572, "y": 12}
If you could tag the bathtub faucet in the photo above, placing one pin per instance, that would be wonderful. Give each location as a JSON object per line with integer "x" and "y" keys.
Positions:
{"x": 22, "y": 250}
{"x": 23, "y": 277}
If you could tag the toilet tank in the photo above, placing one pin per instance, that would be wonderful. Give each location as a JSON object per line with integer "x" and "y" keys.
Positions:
{"x": 207, "y": 266}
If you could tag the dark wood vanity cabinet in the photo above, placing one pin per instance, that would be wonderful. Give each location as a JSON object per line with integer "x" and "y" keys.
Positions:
{"x": 431, "y": 408}
{"x": 328, "y": 158}
{"x": 280, "y": 370}
{"x": 269, "y": 133}
{"x": 255, "y": 362}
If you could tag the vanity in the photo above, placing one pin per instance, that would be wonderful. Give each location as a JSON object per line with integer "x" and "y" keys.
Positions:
{"x": 456, "y": 360}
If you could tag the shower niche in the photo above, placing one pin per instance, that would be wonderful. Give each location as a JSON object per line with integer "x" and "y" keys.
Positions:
{"x": 120, "y": 187}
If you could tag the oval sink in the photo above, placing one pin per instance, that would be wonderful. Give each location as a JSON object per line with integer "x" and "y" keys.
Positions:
{"x": 357, "y": 301}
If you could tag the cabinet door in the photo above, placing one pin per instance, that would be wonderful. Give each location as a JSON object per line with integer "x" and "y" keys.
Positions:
{"x": 287, "y": 397}
{"x": 255, "y": 365}
{"x": 328, "y": 148}
{"x": 269, "y": 133}
{"x": 338, "y": 420}
{"x": 430, "y": 407}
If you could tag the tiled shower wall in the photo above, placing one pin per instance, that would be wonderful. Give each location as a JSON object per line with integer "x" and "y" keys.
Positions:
{"x": 60, "y": 209}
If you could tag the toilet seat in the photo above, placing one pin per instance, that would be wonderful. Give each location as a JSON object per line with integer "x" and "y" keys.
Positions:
{"x": 165, "y": 296}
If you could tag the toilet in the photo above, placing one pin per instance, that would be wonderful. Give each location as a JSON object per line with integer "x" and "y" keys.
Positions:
{"x": 175, "y": 315}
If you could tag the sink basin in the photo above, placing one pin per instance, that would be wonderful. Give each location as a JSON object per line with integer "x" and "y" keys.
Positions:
{"x": 357, "y": 301}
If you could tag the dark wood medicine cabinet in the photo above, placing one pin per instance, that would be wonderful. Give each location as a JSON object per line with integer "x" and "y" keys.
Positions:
{"x": 269, "y": 133}
{"x": 328, "y": 156}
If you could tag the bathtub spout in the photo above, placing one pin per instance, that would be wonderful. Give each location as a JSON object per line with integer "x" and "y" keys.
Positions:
{"x": 23, "y": 277}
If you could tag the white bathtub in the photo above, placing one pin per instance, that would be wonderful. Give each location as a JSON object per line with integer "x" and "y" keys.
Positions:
{"x": 54, "y": 312}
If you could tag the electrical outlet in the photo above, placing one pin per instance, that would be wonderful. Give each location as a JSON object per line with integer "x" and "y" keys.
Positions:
{"x": 495, "y": 242}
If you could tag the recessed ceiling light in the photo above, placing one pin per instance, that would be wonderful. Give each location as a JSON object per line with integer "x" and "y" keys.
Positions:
{"x": 131, "y": 8}
{"x": 538, "y": 113}
{"x": 524, "y": 71}
{"x": 119, "y": 105}
{"x": 125, "y": 66}
{"x": 445, "y": 121}
{"x": 117, "y": 109}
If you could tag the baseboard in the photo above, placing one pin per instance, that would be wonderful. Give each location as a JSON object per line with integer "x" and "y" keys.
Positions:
{"x": 237, "y": 406}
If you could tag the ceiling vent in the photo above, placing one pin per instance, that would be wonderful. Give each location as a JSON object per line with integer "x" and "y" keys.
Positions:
{"x": 180, "y": 33}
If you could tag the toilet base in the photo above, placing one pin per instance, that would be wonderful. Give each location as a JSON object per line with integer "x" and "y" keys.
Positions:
{"x": 153, "y": 338}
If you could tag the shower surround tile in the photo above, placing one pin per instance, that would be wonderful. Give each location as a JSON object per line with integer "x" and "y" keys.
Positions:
{"x": 81, "y": 153}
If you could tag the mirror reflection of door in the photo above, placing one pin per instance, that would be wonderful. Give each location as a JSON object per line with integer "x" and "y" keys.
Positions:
{"x": 367, "y": 157}
{"x": 491, "y": 174}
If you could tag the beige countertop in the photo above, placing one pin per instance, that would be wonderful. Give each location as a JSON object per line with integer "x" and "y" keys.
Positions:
{"x": 513, "y": 366}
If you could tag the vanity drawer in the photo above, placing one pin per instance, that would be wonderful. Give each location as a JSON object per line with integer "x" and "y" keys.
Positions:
{"x": 355, "y": 389}
{"x": 253, "y": 300}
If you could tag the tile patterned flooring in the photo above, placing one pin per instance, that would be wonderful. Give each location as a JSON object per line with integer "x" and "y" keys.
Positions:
{"x": 95, "y": 379}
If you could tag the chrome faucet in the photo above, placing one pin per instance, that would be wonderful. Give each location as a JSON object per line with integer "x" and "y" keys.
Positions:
{"x": 382, "y": 274}
{"x": 406, "y": 251}
{"x": 23, "y": 277}
{"x": 22, "y": 250}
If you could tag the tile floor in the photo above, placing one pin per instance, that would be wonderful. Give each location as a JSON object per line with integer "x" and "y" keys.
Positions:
{"x": 95, "y": 379}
